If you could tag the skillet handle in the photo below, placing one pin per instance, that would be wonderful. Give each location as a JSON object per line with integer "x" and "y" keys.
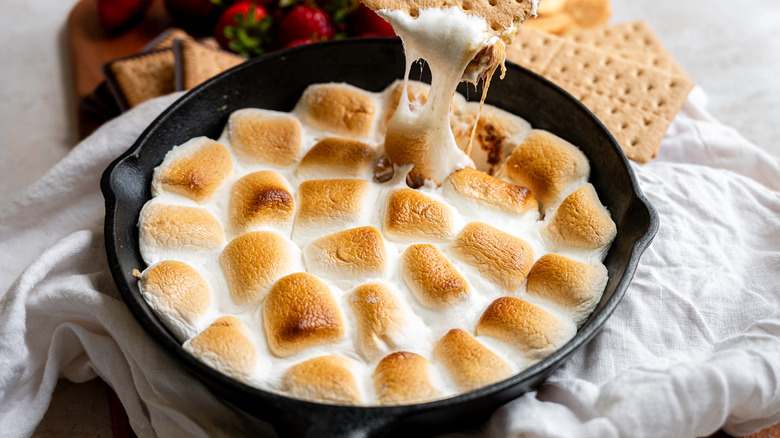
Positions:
{"x": 335, "y": 421}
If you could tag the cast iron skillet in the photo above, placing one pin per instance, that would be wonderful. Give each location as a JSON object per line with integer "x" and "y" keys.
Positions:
{"x": 276, "y": 82}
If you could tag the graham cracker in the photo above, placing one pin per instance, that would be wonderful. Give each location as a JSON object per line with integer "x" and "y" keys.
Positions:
{"x": 634, "y": 101}
{"x": 500, "y": 15}
{"x": 197, "y": 62}
{"x": 533, "y": 49}
{"x": 634, "y": 41}
{"x": 138, "y": 78}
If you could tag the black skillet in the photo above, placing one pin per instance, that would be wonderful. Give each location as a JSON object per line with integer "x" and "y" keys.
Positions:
{"x": 276, "y": 82}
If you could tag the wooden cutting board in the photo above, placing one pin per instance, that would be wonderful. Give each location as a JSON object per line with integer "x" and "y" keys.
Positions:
{"x": 90, "y": 48}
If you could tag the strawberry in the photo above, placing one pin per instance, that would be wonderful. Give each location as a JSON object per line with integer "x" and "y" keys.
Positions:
{"x": 366, "y": 22}
{"x": 305, "y": 21}
{"x": 338, "y": 10}
{"x": 115, "y": 15}
{"x": 244, "y": 28}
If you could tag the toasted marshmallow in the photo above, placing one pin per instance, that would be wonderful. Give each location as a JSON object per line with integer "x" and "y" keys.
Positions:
{"x": 337, "y": 157}
{"x": 574, "y": 285}
{"x": 497, "y": 133}
{"x": 412, "y": 216}
{"x": 490, "y": 191}
{"x": 379, "y": 318}
{"x": 348, "y": 256}
{"x": 416, "y": 91}
{"x": 403, "y": 378}
{"x": 175, "y": 228}
{"x": 224, "y": 346}
{"x": 195, "y": 169}
{"x": 471, "y": 364}
{"x": 526, "y": 327}
{"x": 178, "y": 294}
{"x": 548, "y": 165}
{"x": 252, "y": 262}
{"x": 260, "y": 199}
{"x": 433, "y": 279}
{"x": 329, "y": 205}
{"x": 581, "y": 222}
{"x": 326, "y": 379}
{"x": 338, "y": 108}
{"x": 263, "y": 136}
{"x": 498, "y": 256}
{"x": 300, "y": 312}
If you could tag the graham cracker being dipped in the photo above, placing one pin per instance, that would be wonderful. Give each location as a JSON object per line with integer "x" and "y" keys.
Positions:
{"x": 196, "y": 62}
{"x": 635, "y": 102}
{"x": 138, "y": 78}
{"x": 500, "y": 15}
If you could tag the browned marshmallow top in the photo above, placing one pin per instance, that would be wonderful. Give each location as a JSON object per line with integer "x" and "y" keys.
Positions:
{"x": 276, "y": 257}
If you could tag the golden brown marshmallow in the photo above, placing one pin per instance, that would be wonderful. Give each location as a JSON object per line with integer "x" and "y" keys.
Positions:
{"x": 471, "y": 364}
{"x": 350, "y": 254}
{"x": 574, "y": 285}
{"x": 498, "y": 256}
{"x": 581, "y": 221}
{"x": 300, "y": 312}
{"x": 411, "y": 215}
{"x": 491, "y": 191}
{"x": 338, "y": 108}
{"x": 403, "y": 378}
{"x": 264, "y": 137}
{"x": 174, "y": 227}
{"x": 379, "y": 317}
{"x": 177, "y": 291}
{"x": 495, "y": 136}
{"x": 252, "y": 262}
{"x": 331, "y": 201}
{"x": 224, "y": 346}
{"x": 548, "y": 165}
{"x": 260, "y": 198}
{"x": 431, "y": 277}
{"x": 196, "y": 171}
{"x": 325, "y": 378}
{"x": 336, "y": 156}
{"x": 525, "y": 326}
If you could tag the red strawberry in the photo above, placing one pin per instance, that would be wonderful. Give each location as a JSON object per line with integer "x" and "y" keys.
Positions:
{"x": 117, "y": 14}
{"x": 366, "y": 21}
{"x": 300, "y": 42}
{"x": 304, "y": 21}
{"x": 244, "y": 28}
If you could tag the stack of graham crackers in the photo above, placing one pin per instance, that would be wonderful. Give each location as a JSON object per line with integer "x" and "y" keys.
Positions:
{"x": 174, "y": 61}
{"x": 621, "y": 73}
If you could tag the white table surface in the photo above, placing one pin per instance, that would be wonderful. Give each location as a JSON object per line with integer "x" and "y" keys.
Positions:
{"x": 731, "y": 49}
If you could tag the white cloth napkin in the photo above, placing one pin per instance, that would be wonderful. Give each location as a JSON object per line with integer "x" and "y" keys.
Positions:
{"x": 693, "y": 346}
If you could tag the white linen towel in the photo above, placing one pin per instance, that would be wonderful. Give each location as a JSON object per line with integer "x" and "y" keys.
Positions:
{"x": 693, "y": 346}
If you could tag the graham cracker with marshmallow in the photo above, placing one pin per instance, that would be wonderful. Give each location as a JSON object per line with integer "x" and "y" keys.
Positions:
{"x": 197, "y": 62}
{"x": 500, "y": 15}
{"x": 635, "y": 102}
